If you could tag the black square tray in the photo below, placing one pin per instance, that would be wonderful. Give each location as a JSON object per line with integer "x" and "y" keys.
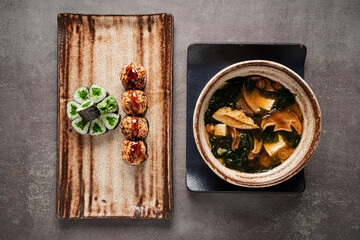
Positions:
{"x": 203, "y": 62}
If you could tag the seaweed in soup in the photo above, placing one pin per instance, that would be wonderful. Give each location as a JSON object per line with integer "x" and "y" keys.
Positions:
{"x": 235, "y": 159}
{"x": 285, "y": 98}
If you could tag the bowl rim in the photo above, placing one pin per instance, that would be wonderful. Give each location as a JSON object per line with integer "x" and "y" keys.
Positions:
{"x": 309, "y": 94}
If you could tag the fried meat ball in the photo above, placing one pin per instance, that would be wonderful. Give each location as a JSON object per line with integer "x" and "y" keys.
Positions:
{"x": 133, "y": 76}
{"x": 134, "y": 127}
{"x": 133, "y": 152}
{"x": 134, "y": 102}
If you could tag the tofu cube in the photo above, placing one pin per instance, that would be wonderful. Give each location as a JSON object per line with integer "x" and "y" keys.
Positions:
{"x": 265, "y": 103}
{"x": 273, "y": 148}
{"x": 220, "y": 130}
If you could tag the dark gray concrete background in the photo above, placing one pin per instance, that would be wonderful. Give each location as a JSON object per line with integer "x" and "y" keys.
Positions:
{"x": 329, "y": 207}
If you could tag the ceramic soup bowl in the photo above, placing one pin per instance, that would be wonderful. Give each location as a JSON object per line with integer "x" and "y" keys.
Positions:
{"x": 311, "y": 123}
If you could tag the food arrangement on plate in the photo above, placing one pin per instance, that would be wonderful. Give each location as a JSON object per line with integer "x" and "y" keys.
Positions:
{"x": 92, "y": 111}
{"x": 134, "y": 103}
{"x": 253, "y": 124}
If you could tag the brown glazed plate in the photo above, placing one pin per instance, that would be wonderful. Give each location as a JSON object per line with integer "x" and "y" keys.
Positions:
{"x": 311, "y": 125}
{"x": 93, "y": 180}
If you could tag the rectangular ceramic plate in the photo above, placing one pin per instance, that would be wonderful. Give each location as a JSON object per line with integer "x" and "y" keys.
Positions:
{"x": 203, "y": 62}
{"x": 93, "y": 180}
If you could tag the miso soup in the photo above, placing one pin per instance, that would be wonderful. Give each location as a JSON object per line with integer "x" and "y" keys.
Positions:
{"x": 253, "y": 124}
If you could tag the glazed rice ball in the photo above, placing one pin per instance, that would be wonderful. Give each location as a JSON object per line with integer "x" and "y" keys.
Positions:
{"x": 134, "y": 127}
{"x": 134, "y": 102}
{"x": 133, "y": 152}
{"x": 133, "y": 76}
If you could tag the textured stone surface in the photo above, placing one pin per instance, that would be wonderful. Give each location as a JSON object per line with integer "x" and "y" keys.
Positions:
{"x": 328, "y": 209}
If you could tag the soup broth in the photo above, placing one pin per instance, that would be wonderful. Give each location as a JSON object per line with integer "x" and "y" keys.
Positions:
{"x": 253, "y": 124}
